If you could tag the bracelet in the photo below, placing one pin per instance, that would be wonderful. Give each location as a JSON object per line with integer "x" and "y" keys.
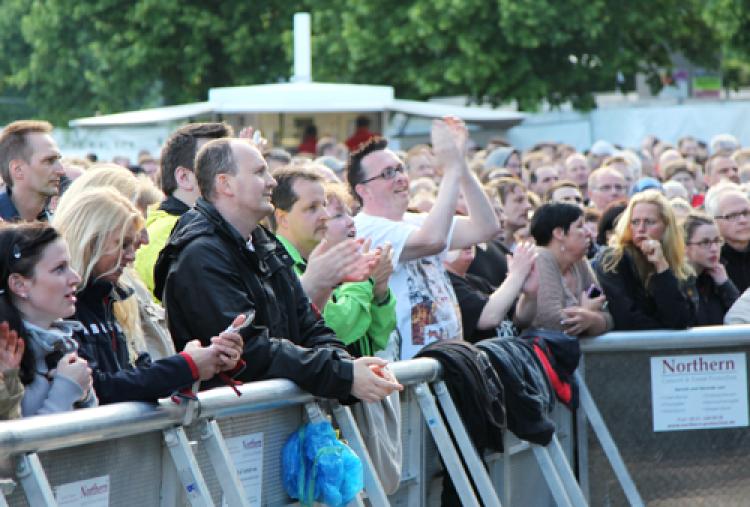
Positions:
{"x": 385, "y": 300}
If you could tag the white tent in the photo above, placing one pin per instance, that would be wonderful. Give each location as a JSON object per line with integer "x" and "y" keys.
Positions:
{"x": 302, "y": 97}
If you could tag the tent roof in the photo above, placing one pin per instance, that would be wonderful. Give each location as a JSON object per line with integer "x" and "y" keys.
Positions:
{"x": 145, "y": 116}
{"x": 300, "y": 97}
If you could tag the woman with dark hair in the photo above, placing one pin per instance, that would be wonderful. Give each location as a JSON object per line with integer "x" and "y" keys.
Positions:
{"x": 569, "y": 299}
{"x": 38, "y": 289}
{"x": 711, "y": 291}
{"x": 608, "y": 220}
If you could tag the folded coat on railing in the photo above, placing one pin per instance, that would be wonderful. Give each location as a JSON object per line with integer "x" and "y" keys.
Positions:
{"x": 528, "y": 400}
{"x": 475, "y": 389}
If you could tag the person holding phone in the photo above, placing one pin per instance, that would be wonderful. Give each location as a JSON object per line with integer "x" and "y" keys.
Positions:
{"x": 569, "y": 299}
{"x": 102, "y": 229}
{"x": 644, "y": 272}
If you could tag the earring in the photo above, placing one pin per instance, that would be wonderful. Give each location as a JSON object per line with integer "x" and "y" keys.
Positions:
{"x": 562, "y": 248}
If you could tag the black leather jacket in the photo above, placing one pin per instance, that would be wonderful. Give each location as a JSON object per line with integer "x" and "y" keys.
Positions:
{"x": 102, "y": 343}
{"x": 208, "y": 275}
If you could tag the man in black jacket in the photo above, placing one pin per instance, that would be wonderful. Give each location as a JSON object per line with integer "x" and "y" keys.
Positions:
{"x": 219, "y": 262}
{"x": 729, "y": 205}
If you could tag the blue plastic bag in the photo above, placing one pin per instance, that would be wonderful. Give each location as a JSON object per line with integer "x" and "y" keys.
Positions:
{"x": 316, "y": 466}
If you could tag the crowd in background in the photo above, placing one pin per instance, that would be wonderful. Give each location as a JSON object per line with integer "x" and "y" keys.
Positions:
{"x": 228, "y": 260}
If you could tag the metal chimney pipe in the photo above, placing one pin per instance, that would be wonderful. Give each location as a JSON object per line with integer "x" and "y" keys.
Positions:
{"x": 302, "y": 52}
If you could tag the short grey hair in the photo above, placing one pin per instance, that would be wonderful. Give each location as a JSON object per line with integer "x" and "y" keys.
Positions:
{"x": 214, "y": 158}
{"x": 715, "y": 193}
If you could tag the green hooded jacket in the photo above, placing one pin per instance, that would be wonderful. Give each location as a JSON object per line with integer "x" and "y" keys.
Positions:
{"x": 352, "y": 311}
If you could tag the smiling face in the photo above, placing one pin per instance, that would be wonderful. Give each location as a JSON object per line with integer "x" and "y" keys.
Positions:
{"x": 388, "y": 198}
{"x": 340, "y": 224}
{"x": 305, "y": 222}
{"x": 49, "y": 294}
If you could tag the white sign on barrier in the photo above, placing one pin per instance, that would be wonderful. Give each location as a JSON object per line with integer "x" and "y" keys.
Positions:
{"x": 86, "y": 493}
{"x": 702, "y": 391}
{"x": 247, "y": 455}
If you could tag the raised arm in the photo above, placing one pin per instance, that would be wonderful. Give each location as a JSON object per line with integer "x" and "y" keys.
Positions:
{"x": 449, "y": 145}
{"x": 481, "y": 224}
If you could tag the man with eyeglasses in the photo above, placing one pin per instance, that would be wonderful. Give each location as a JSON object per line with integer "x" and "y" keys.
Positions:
{"x": 730, "y": 207}
{"x": 426, "y": 306}
{"x": 606, "y": 185}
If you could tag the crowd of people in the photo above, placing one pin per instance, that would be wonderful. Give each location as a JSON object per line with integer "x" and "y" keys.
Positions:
{"x": 227, "y": 260}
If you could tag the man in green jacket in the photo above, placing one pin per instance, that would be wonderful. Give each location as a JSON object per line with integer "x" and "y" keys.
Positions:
{"x": 314, "y": 224}
{"x": 181, "y": 188}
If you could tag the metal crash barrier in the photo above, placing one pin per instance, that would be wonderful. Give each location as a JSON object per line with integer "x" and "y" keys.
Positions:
{"x": 662, "y": 421}
{"x": 228, "y": 452}
{"x": 664, "y": 418}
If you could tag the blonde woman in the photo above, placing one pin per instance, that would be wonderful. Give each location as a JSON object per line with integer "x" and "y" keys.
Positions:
{"x": 141, "y": 318}
{"x": 644, "y": 272}
{"x": 102, "y": 228}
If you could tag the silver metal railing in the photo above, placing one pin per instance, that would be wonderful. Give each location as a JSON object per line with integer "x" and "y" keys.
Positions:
{"x": 649, "y": 466}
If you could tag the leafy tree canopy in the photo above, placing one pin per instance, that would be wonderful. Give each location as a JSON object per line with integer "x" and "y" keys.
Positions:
{"x": 71, "y": 58}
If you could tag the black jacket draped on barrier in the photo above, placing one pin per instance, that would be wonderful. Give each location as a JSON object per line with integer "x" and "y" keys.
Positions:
{"x": 664, "y": 305}
{"x": 475, "y": 390}
{"x": 528, "y": 399}
{"x": 208, "y": 274}
{"x": 102, "y": 343}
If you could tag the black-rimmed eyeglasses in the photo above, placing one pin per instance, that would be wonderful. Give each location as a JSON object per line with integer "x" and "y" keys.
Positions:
{"x": 387, "y": 174}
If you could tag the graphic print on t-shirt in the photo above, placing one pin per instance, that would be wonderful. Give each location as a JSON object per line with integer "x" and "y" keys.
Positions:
{"x": 433, "y": 303}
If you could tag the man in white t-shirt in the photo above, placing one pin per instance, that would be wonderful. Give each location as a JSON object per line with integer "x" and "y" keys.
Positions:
{"x": 426, "y": 305}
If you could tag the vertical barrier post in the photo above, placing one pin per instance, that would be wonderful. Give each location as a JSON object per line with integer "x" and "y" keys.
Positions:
{"x": 444, "y": 445}
{"x": 471, "y": 456}
{"x": 582, "y": 439}
{"x": 222, "y": 462}
{"x": 187, "y": 467}
{"x": 348, "y": 425}
{"x": 170, "y": 494}
{"x": 34, "y": 481}
{"x": 550, "y": 475}
{"x": 608, "y": 444}
{"x": 566, "y": 473}
{"x": 6, "y": 488}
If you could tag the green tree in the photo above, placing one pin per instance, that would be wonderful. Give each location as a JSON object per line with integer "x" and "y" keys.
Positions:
{"x": 71, "y": 58}
{"x": 527, "y": 50}
{"x": 104, "y": 56}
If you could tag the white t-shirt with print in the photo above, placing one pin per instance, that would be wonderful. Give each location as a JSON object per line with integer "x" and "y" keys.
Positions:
{"x": 426, "y": 306}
